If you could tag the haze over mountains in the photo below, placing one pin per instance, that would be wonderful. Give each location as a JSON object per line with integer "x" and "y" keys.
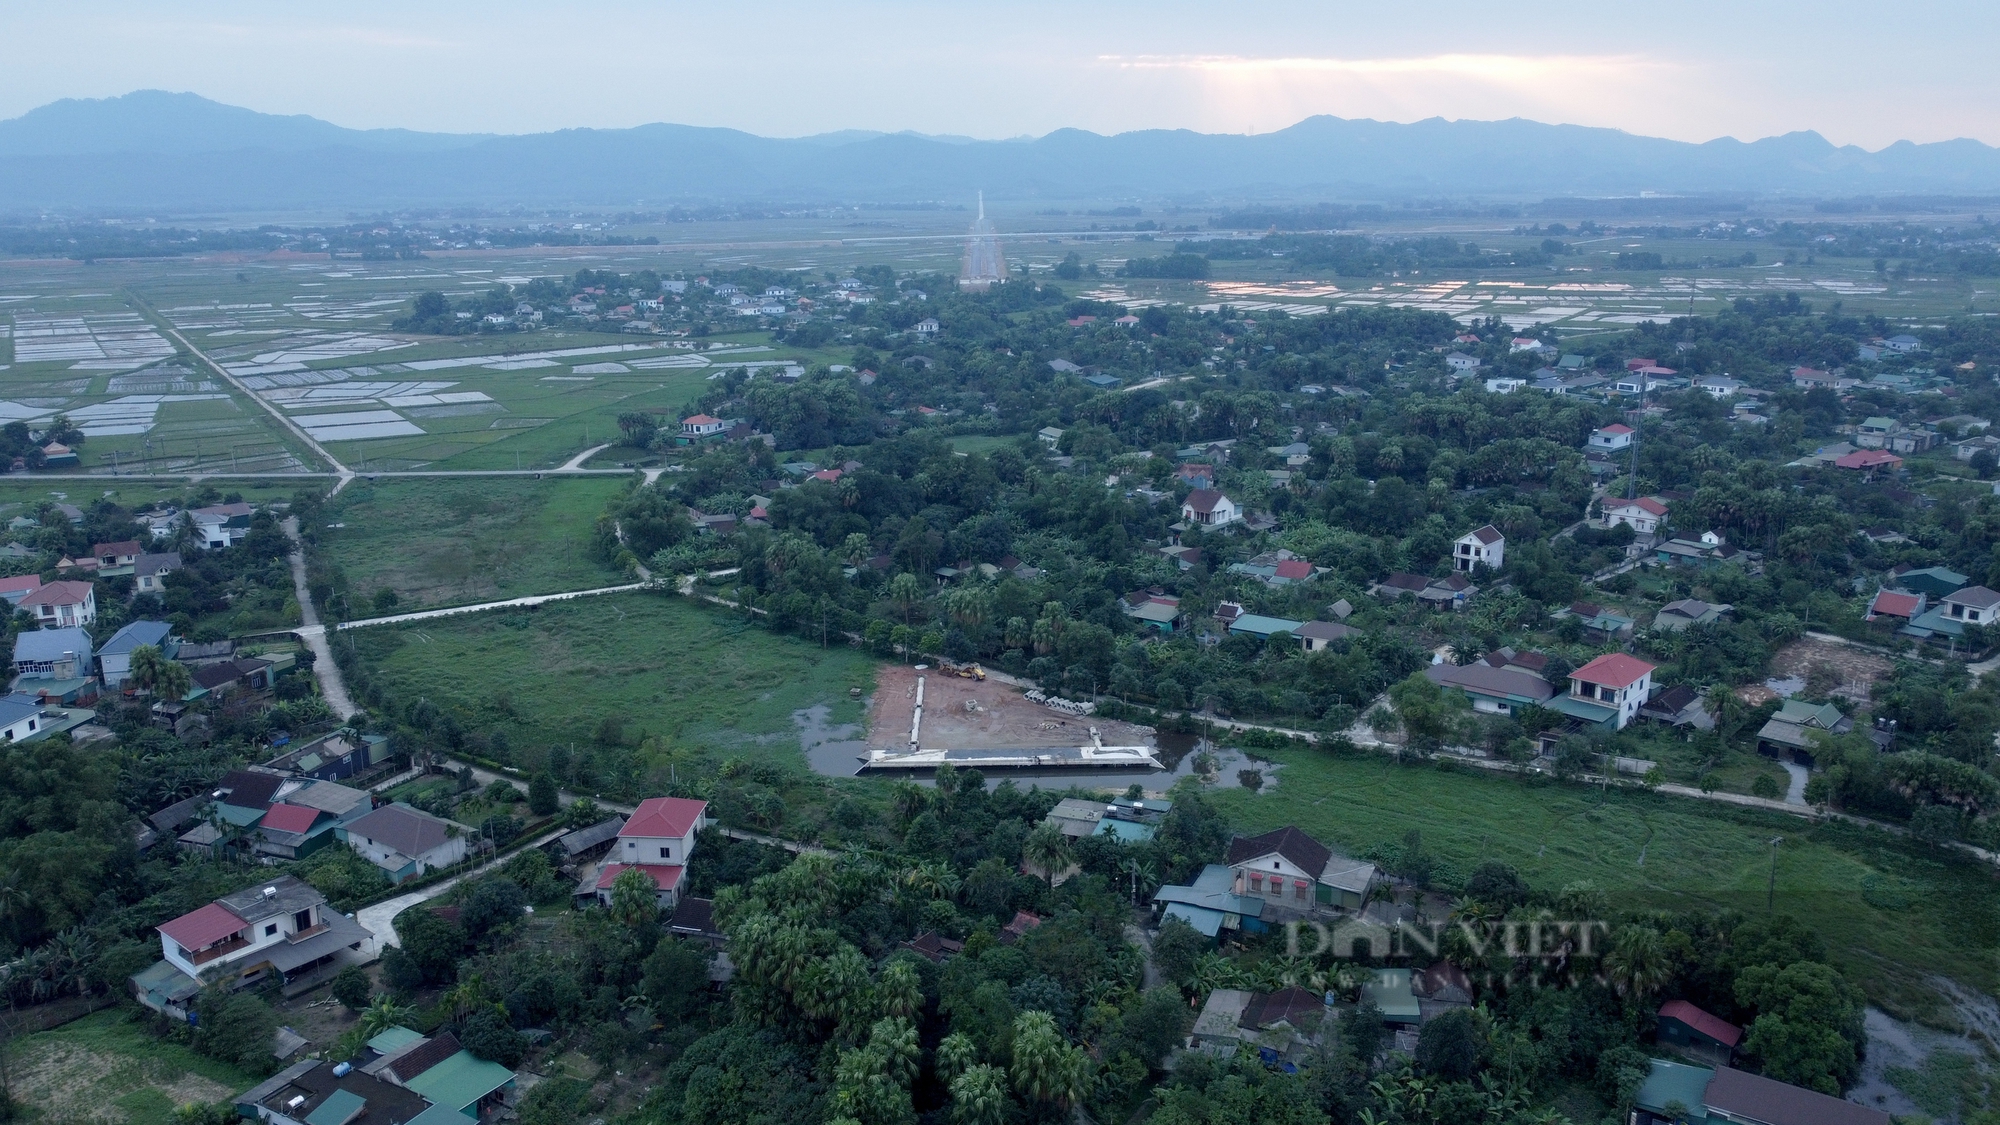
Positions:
{"x": 160, "y": 150}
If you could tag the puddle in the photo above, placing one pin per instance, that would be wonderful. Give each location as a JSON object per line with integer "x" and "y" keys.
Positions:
{"x": 1893, "y": 1043}
{"x": 838, "y": 749}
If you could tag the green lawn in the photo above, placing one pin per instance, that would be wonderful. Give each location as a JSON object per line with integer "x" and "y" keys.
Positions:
{"x": 107, "y": 1068}
{"x": 449, "y": 541}
{"x": 1891, "y": 912}
{"x": 657, "y": 663}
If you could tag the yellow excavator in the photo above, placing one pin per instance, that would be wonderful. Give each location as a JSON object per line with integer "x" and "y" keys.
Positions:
{"x": 963, "y": 671}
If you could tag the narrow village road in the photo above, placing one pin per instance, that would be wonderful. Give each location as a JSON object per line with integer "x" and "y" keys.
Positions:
{"x": 484, "y": 776}
{"x": 331, "y": 685}
{"x": 575, "y": 463}
{"x": 380, "y": 918}
{"x": 483, "y": 607}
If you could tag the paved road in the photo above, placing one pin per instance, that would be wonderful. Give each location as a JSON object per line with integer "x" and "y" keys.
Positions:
{"x": 380, "y": 918}
{"x": 331, "y": 685}
{"x": 481, "y": 607}
{"x": 575, "y": 463}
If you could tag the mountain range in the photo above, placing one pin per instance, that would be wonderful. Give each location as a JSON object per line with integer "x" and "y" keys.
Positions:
{"x": 171, "y": 151}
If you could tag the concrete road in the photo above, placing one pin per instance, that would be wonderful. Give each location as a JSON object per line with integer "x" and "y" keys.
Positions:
{"x": 331, "y": 685}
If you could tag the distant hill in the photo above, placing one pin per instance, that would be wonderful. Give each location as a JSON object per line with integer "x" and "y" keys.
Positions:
{"x": 153, "y": 149}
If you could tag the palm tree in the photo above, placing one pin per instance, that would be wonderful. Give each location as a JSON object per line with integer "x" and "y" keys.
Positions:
{"x": 895, "y": 1039}
{"x": 932, "y": 880}
{"x": 1047, "y": 847}
{"x": 172, "y": 682}
{"x": 145, "y": 662}
{"x": 1638, "y": 964}
{"x": 910, "y": 800}
{"x": 1046, "y": 1069}
{"x": 900, "y": 992}
{"x": 956, "y": 1055}
{"x": 1142, "y": 872}
{"x": 907, "y": 593}
{"x": 979, "y": 1096}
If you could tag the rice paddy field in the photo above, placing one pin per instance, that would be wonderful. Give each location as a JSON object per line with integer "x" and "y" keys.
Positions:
{"x": 308, "y": 336}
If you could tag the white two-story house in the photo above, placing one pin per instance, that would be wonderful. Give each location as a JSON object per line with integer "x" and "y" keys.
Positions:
{"x": 1208, "y": 508}
{"x": 1609, "y": 690}
{"x": 1481, "y": 547}
{"x": 62, "y": 605}
{"x": 657, "y": 839}
{"x": 1974, "y": 605}
{"x": 280, "y": 927}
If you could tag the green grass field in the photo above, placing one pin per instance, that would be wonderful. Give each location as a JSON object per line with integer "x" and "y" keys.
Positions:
{"x": 450, "y": 541}
{"x": 26, "y": 490}
{"x": 1892, "y": 912}
{"x": 106, "y": 1068}
{"x": 657, "y": 663}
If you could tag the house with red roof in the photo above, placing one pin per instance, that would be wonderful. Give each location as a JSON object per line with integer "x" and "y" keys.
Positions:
{"x": 1644, "y": 515}
{"x": 62, "y": 605}
{"x": 1611, "y": 438}
{"x": 657, "y": 840}
{"x": 701, "y": 426}
{"x": 292, "y": 831}
{"x": 279, "y": 928}
{"x": 1607, "y": 691}
{"x": 1684, "y": 1025}
{"x": 1869, "y": 460}
{"x": 14, "y": 589}
{"x": 1895, "y": 603}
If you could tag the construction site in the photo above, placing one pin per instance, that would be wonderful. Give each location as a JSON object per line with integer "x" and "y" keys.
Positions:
{"x": 967, "y": 720}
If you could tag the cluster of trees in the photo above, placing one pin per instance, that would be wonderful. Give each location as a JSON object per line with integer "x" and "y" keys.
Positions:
{"x": 1398, "y": 464}
{"x": 831, "y": 1017}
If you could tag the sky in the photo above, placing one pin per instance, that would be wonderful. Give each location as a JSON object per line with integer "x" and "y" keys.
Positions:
{"x": 1859, "y": 73}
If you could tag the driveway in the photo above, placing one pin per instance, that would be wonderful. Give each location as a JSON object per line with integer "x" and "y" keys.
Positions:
{"x": 379, "y": 919}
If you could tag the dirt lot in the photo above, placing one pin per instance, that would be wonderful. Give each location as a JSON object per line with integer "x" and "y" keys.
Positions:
{"x": 1002, "y": 717}
{"x": 1845, "y": 671}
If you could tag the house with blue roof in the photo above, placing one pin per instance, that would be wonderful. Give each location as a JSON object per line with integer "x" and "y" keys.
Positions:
{"x": 1211, "y": 905}
{"x": 115, "y": 658}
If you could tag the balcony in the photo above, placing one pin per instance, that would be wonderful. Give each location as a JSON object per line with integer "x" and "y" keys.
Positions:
{"x": 218, "y": 951}
{"x": 308, "y": 932}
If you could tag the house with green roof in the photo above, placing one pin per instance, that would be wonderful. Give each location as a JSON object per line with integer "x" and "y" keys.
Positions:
{"x": 1793, "y": 732}
{"x": 1391, "y": 991}
{"x": 1936, "y": 581}
{"x": 464, "y": 1082}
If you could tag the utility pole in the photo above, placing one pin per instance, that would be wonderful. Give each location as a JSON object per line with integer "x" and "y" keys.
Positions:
{"x": 1771, "y": 896}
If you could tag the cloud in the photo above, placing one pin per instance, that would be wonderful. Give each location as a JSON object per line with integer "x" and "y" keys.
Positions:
{"x": 1241, "y": 92}
{"x": 1499, "y": 69}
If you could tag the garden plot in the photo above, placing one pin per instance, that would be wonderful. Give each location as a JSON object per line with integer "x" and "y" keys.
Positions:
{"x": 168, "y": 380}
{"x": 318, "y": 309}
{"x": 310, "y": 347}
{"x": 91, "y": 342}
{"x": 526, "y": 359}
{"x": 128, "y": 414}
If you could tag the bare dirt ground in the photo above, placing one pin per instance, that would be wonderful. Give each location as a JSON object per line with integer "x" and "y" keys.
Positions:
{"x": 1001, "y": 716}
{"x": 1847, "y": 672}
